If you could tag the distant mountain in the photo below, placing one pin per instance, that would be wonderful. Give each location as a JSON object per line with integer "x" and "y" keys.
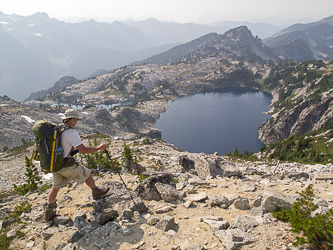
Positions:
{"x": 240, "y": 39}
{"x": 37, "y": 50}
{"x": 57, "y": 87}
{"x": 179, "y": 51}
{"x": 302, "y": 42}
{"x": 235, "y": 58}
{"x": 262, "y": 30}
{"x": 170, "y": 32}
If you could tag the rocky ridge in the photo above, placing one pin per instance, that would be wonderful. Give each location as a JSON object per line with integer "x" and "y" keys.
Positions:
{"x": 300, "y": 105}
{"x": 190, "y": 201}
{"x": 17, "y": 120}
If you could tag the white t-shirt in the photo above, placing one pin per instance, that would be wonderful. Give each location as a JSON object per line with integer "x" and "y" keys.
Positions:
{"x": 69, "y": 138}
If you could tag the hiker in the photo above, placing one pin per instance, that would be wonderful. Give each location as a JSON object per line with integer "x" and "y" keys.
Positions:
{"x": 70, "y": 139}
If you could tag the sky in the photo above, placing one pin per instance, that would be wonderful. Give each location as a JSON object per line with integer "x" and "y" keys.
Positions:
{"x": 181, "y": 11}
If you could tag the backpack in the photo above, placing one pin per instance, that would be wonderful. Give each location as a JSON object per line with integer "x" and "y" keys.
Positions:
{"x": 48, "y": 146}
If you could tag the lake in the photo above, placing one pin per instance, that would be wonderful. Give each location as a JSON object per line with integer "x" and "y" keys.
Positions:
{"x": 216, "y": 121}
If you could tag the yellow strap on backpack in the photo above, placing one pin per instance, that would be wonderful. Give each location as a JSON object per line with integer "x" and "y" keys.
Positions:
{"x": 53, "y": 149}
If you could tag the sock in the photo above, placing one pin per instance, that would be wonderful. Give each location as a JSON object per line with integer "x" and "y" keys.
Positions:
{"x": 49, "y": 205}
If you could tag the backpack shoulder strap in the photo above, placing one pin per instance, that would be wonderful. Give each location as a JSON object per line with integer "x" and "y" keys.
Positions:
{"x": 63, "y": 127}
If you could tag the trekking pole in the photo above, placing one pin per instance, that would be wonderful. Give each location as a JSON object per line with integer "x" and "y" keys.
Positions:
{"x": 115, "y": 168}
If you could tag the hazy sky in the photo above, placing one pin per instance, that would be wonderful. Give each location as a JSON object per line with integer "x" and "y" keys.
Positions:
{"x": 182, "y": 11}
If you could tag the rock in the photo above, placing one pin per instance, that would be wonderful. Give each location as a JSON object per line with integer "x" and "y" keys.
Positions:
{"x": 83, "y": 226}
{"x": 180, "y": 186}
{"x": 215, "y": 165}
{"x": 298, "y": 175}
{"x": 11, "y": 233}
{"x": 245, "y": 223}
{"x": 152, "y": 219}
{"x": 166, "y": 223}
{"x": 98, "y": 236}
{"x": 257, "y": 201}
{"x": 232, "y": 197}
{"x": 217, "y": 218}
{"x": 105, "y": 215}
{"x": 130, "y": 167}
{"x": 119, "y": 199}
{"x": 164, "y": 209}
{"x": 69, "y": 247}
{"x": 234, "y": 238}
{"x": 320, "y": 211}
{"x": 102, "y": 244}
{"x": 242, "y": 204}
{"x": 193, "y": 247}
{"x": 188, "y": 203}
{"x": 41, "y": 246}
{"x": 80, "y": 213}
{"x": 217, "y": 225}
{"x": 147, "y": 190}
{"x": 49, "y": 232}
{"x": 324, "y": 177}
{"x": 199, "y": 197}
{"x": 127, "y": 231}
{"x": 63, "y": 220}
{"x": 30, "y": 244}
{"x": 246, "y": 186}
{"x": 127, "y": 214}
{"x": 273, "y": 200}
{"x": 168, "y": 192}
{"x": 74, "y": 237}
{"x": 186, "y": 163}
{"x": 217, "y": 200}
{"x": 198, "y": 182}
{"x": 320, "y": 202}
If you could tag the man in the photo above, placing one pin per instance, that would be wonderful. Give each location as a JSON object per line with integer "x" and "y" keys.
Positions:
{"x": 70, "y": 139}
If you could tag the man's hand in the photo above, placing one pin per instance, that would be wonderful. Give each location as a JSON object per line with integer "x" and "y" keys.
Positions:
{"x": 102, "y": 146}
{"x": 88, "y": 150}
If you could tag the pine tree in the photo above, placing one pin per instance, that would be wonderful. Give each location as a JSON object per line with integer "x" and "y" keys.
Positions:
{"x": 32, "y": 181}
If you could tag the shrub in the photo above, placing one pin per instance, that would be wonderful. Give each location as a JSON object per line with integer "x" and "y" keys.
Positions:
{"x": 127, "y": 153}
{"x": 18, "y": 210}
{"x": 32, "y": 181}
{"x": 316, "y": 230}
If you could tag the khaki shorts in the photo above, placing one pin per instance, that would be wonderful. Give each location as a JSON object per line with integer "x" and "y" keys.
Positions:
{"x": 76, "y": 173}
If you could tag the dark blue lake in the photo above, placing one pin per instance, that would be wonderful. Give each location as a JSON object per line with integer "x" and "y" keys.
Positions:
{"x": 216, "y": 121}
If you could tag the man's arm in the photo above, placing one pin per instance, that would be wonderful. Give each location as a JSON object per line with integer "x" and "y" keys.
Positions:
{"x": 88, "y": 150}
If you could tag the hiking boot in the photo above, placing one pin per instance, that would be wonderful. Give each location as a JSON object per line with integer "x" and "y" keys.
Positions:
{"x": 99, "y": 192}
{"x": 49, "y": 214}
{"x": 55, "y": 205}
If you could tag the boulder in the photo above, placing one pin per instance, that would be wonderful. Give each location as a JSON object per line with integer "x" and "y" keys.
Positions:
{"x": 272, "y": 200}
{"x": 245, "y": 223}
{"x": 152, "y": 219}
{"x": 166, "y": 223}
{"x": 102, "y": 216}
{"x": 186, "y": 163}
{"x": 130, "y": 167}
{"x": 168, "y": 192}
{"x": 198, "y": 182}
{"x": 198, "y": 197}
{"x": 147, "y": 189}
{"x": 119, "y": 199}
{"x": 210, "y": 165}
{"x": 298, "y": 175}
{"x": 234, "y": 238}
{"x": 242, "y": 204}
{"x": 217, "y": 225}
{"x": 217, "y": 200}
